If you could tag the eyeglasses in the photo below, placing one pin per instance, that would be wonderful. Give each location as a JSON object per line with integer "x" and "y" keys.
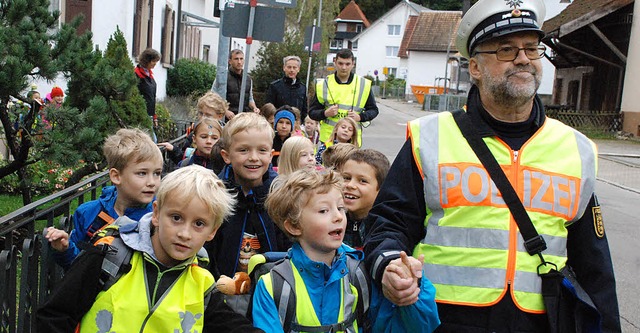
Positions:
{"x": 510, "y": 53}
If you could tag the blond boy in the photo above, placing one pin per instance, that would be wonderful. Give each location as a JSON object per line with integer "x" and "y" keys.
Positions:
{"x": 135, "y": 166}
{"x": 164, "y": 287}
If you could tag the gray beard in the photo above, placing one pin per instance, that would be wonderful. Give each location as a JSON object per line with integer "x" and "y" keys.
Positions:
{"x": 511, "y": 95}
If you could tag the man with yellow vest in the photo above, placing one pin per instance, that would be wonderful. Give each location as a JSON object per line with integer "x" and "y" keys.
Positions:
{"x": 342, "y": 94}
{"x": 162, "y": 286}
{"x": 439, "y": 200}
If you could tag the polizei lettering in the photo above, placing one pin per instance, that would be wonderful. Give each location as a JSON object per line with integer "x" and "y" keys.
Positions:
{"x": 465, "y": 184}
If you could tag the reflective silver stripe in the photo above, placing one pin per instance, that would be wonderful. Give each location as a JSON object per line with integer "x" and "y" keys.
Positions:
{"x": 527, "y": 282}
{"x": 588, "y": 158}
{"x": 429, "y": 145}
{"x": 467, "y": 237}
{"x": 361, "y": 87}
{"x": 284, "y": 302}
{"x": 466, "y": 276}
{"x": 325, "y": 91}
{"x": 379, "y": 260}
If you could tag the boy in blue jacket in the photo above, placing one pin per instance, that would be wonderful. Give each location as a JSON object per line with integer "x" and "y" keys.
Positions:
{"x": 329, "y": 290}
{"x": 135, "y": 165}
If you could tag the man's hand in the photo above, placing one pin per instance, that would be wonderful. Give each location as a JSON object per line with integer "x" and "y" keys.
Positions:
{"x": 332, "y": 111}
{"x": 354, "y": 115}
{"x": 58, "y": 239}
{"x": 400, "y": 279}
{"x": 229, "y": 114}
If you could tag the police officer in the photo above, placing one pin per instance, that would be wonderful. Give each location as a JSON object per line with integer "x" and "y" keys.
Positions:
{"x": 438, "y": 199}
{"x": 342, "y": 94}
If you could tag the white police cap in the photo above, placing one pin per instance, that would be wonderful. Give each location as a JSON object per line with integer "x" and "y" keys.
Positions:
{"x": 492, "y": 18}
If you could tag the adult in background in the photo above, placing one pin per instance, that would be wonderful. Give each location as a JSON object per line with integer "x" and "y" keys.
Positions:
{"x": 147, "y": 60}
{"x": 234, "y": 85}
{"x": 438, "y": 200}
{"x": 342, "y": 94}
{"x": 289, "y": 90}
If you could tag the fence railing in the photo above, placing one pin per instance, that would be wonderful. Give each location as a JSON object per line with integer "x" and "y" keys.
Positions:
{"x": 444, "y": 102}
{"x": 28, "y": 272}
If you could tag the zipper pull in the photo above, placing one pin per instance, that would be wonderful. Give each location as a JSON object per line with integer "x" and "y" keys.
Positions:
{"x": 515, "y": 156}
{"x": 355, "y": 226}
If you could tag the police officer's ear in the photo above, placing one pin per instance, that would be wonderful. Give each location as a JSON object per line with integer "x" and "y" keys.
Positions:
{"x": 474, "y": 69}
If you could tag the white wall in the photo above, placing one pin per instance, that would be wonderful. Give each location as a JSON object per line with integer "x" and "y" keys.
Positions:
{"x": 425, "y": 67}
{"x": 372, "y": 53}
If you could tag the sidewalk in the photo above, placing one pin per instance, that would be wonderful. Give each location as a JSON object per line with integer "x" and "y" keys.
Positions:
{"x": 619, "y": 160}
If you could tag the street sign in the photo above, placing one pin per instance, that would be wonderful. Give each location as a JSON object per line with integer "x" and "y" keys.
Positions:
{"x": 317, "y": 38}
{"x": 375, "y": 72}
{"x": 268, "y": 22}
{"x": 279, "y": 3}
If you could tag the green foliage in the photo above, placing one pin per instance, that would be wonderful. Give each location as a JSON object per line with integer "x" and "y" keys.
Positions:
{"x": 190, "y": 76}
{"x": 392, "y": 83}
{"x": 166, "y": 126}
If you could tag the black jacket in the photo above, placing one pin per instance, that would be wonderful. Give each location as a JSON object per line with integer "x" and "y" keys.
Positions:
{"x": 234, "y": 84}
{"x": 250, "y": 213}
{"x": 147, "y": 87}
{"x": 396, "y": 222}
{"x": 285, "y": 91}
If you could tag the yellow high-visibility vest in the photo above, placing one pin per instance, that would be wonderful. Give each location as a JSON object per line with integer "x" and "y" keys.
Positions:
{"x": 352, "y": 96}
{"x": 125, "y": 306}
{"x": 473, "y": 249}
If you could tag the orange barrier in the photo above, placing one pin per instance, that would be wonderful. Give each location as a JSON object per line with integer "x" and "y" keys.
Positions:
{"x": 420, "y": 91}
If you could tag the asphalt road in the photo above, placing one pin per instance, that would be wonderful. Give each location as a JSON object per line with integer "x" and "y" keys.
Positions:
{"x": 620, "y": 207}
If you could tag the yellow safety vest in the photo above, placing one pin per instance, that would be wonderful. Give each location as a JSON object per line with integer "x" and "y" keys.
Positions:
{"x": 126, "y": 307}
{"x": 305, "y": 314}
{"x": 473, "y": 249}
{"x": 352, "y": 96}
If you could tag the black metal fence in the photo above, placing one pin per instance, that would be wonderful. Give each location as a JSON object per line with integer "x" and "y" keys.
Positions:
{"x": 28, "y": 272}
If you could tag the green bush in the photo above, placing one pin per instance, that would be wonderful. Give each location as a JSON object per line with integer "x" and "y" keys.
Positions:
{"x": 166, "y": 129}
{"x": 190, "y": 76}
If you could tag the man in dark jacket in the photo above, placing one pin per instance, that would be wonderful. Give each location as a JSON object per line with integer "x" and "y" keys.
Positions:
{"x": 289, "y": 90}
{"x": 234, "y": 85}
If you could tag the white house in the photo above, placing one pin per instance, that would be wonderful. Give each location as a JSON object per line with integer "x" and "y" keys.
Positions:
{"x": 349, "y": 23}
{"x": 150, "y": 23}
{"x": 377, "y": 47}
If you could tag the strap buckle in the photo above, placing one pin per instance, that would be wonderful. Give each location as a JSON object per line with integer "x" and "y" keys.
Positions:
{"x": 535, "y": 245}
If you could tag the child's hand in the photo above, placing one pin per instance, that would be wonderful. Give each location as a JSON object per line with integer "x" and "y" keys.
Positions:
{"x": 400, "y": 279}
{"x": 58, "y": 239}
{"x": 166, "y": 145}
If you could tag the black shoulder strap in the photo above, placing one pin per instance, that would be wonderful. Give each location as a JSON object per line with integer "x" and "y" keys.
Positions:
{"x": 359, "y": 280}
{"x": 533, "y": 242}
{"x": 102, "y": 220}
{"x": 116, "y": 262}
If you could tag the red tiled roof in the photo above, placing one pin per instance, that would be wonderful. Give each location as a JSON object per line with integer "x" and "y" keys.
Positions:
{"x": 583, "y": 10}
{"x": 408, "y": 32}
{"x": 435, "y": 31}
{"x": 352, "y": 12}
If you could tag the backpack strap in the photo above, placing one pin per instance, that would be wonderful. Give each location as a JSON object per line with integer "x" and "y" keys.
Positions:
{"x": 359, "y": 280}
{"x": 100, "y": 222}
{"x": 283, "y": 294}
{"x": 115, "y": 263}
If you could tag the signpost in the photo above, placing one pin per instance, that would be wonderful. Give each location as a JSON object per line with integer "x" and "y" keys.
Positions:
{"x": 251, "y": 20}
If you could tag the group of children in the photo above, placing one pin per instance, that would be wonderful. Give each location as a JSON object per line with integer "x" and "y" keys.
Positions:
{"x": 314, "y": 213}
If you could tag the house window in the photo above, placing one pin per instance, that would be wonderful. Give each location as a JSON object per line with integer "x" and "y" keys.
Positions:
{"x": 392, "y": 71}
{"x": 354, "y": 45}
{"x": 336, "y": 44}
{"x": 206, "y": 50}
{"x": 393, "y": 29}
{"x": 168, "y": 32}
{"x": 392, "y": 51}
{"x": 142, "y": 26}
{"x": 359, "y": 28}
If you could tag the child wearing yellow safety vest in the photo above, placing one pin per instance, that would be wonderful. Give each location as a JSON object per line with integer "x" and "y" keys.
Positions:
{"x": 321, "y": 286}
{"x": 163, "y": 288}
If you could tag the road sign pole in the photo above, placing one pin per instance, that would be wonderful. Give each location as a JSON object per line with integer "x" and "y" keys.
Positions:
{"x": 313, "y": 38}
{"x": 252, "y": 14}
